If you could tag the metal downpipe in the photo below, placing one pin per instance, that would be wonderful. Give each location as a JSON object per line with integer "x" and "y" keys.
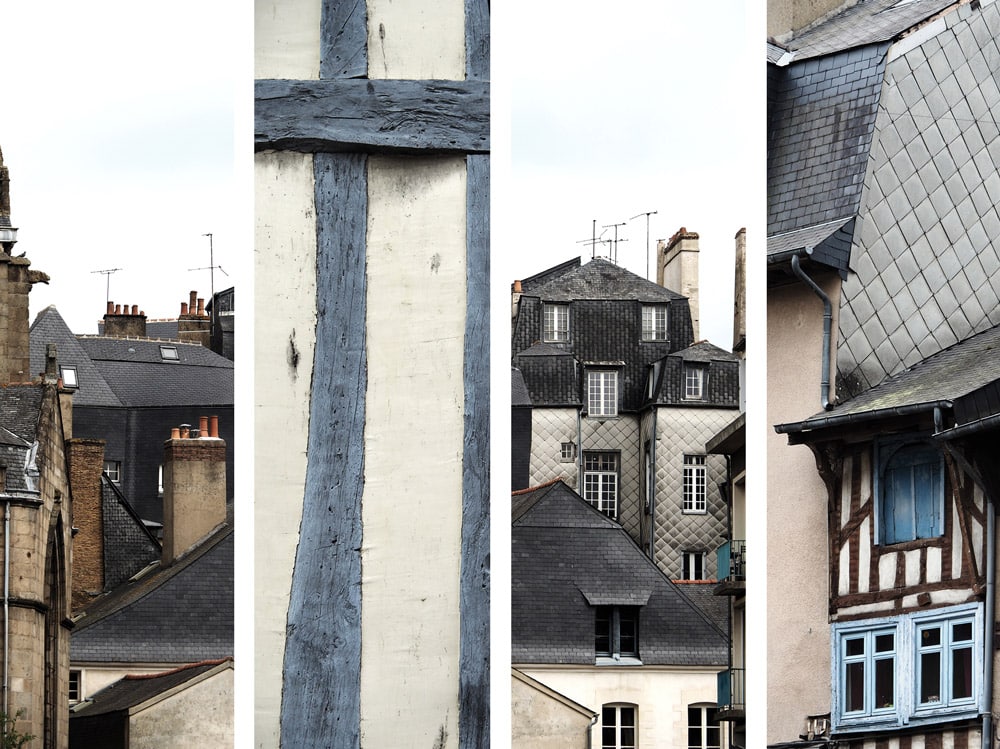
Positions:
{"x": 824, "y": 385}
{"x": 988, "y": 623}
{"x": 6, "y": 608}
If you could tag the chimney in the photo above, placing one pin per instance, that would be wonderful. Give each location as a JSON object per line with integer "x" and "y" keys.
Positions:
{"x": 194, "y": 490}
{"x": 740, "y": 295}
{"x": 515, "y": 299}
{"x": 85, "y": 458}
{"x": 677, "y": 270}
{"x": 120, "y": 323}
{"x": 193, "y": 325}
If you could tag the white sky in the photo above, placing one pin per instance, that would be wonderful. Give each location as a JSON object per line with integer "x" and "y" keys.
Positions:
{"x": 117, "y": 127}
{"x": 622, "y": 108}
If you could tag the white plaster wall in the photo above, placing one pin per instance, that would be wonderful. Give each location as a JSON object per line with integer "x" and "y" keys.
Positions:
{"x": 661, "y": 694}
{"x": 798, "y": 641}
{"x": 286, "y": 38}
{"x": 416, "y": 39}
{"x": 199, "y": 716}
{"x": 540, "y": 720}
{"x": 285, "y": 271}
{"x": 411, "y": 507}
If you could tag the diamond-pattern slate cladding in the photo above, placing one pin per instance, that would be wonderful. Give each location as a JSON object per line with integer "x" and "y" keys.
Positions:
{"x": 819, "y": 130}
{"x": 621, "y": 434}
{"x": 550, "y": 427}
{"x": 680, "y": 431}
{"x": 925, "y": 256}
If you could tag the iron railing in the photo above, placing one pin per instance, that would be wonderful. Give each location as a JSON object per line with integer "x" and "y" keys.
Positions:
{"x": 731, "y": 561}
{"x": 730, "y": 689}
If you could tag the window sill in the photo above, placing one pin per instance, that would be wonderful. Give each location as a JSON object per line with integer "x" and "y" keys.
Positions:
{"x": 604, "y": 660}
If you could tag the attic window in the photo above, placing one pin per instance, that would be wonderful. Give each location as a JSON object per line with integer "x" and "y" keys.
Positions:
{"x": 68, "y": 373}
{"x": 654, "y": 323}
{"x": 169, "y": 353}
{"x": 616, "y": 632}
{"x": 694, "y": 382}
{"x": 555, "y": 323}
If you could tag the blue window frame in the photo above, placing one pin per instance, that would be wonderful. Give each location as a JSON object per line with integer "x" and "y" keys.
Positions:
{"x": 910, "y": 490}
{"x": 923, "y": 667}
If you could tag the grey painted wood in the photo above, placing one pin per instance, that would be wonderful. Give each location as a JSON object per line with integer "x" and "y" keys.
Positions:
{"x": 322, "y": 687}
{"x": 474, "y": 604}
{"x": 373, "y": 116}
{"x": 343, "y": 39}
{"x": 477, "y": 40}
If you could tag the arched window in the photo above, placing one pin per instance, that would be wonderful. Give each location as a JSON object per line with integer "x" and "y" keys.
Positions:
{"x": 618, "y": 727}
{"x": 703, "y": 731}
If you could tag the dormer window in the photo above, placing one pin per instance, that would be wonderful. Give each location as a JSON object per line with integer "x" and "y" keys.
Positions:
{"x": 602, "y": 393}
{"x": 555, "y": 323}
{"x": 616, "y": 632}
{"x": 654, "y": 322}
{"x": 694, "y": 382}
{"x": 68, "y": 374}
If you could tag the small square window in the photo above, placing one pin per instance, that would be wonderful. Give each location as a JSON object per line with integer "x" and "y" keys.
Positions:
{"x": 694, "y": 382}
{"x": 567, "y": 452}
{"x": 555, "y": 323}
{"x": 68, "y": 373}
{"x": 113, "y": 469}
{"x": 169, "y": 353}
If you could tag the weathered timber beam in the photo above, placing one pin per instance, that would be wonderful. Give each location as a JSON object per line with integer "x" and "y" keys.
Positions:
{"x": 372, "y": 116}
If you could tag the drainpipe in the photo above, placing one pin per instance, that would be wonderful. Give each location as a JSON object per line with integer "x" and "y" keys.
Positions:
{"x": 824, "y": 385}
{"x": 651, "y": 486}
{"x": 6, "y": 606}
{"x": 988, "y": 624}
{"x": 579, "y": 451}
{"x": 590, "y": 728}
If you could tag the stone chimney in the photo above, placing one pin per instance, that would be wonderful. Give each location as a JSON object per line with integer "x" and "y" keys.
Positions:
{"x": 194, "y": 486}
{"x": 122, "y": 322}
{"x": 740, "y": 295}
{"x": 515, "y": 299}
{"x": 85, "y": 458}
{"x": 677, "y": 270}
{"x": 193, "y": 323}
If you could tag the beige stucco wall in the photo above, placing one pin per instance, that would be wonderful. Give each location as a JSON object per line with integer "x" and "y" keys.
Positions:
{"x": 798, "y": 639}
{"x": 200, "y": 715}
{"x": 543, "y": 719}
{"x": 661, "y": 695}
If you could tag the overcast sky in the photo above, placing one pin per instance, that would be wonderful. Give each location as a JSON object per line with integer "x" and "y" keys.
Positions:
{"x": 627, "y": 107}
{"x": 117, "y": 127}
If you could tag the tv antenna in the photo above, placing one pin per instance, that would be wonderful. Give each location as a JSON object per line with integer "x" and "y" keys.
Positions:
{"x": 107, "y": 272}
{"x": 616, "y": 240}
{"x": 211, "y": 267}
{"x": 647, "y": 214}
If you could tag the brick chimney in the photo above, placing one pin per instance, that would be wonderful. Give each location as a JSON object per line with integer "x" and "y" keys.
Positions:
{"x": 122, "y": 322}
{"x": 85, "y": 458}
{"x": 194, "y": 486}
{"x": 677, "y": 270}
{"x": 193, "y": 323}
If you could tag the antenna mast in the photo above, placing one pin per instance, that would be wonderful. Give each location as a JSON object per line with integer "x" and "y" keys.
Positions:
{"x": 107, "y": 290}
{"x": 647, "y": 214}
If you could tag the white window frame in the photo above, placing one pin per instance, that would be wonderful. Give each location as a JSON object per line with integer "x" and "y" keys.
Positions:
{"x": 113, "y": 468}
{"x": 602, "y": 393}
{"x": 907, "y": 708}
{"x": 695, "y": 490}
{"x": 703, "y": 726}
{"x": 601, "y": 471}
{"x": 654, "y": 322}
{"x": 76, "y": 695}
{"x": 567, "y": 452}
{"x": 693, "y": 562}
{"x": 617, "y": 741}
{"x": 555, "y": 323}
{"x": 694, "y": 382}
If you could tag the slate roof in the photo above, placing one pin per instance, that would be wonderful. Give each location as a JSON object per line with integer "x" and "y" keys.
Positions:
{"x": 602, "y": 279}
{"x": 950, "y": 374}
{"x": 703, "y": 351}
{"x": 49, "y": 327}
{"x": 531, "y": 283}
{"x": 128, "y": 544}
{"x": 178, "y": 614}
{"x": 518, "y": 390}
{"x": 701, "y": 593}
{"x": 139, "y": 376}
{"x": 135, "y": 689}
{"x": 566, "y": 558}
{"x": 867, "y": 22}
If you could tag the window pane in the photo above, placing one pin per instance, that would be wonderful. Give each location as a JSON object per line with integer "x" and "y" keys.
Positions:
{"x": 961, "y": 632}
{"x": 602, "y": 632}
{"x": 854, "y": 688}
{"x": 855, "y": 646}
{"x": 885, "y": 643}
{"x": 884, "y": 683}
{"x": 930, "y": 637}
{"x": 961, "y": 673}
{"x": 609, "y": 737}
{"x": 628, "y": 716}
{"x": 628, "y": 626}
{"x": 930, "y": 678}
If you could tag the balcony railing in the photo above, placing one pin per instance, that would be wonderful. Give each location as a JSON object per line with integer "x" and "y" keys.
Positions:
{"x": 731, "y": 561}
{"x": 730, "y": 691}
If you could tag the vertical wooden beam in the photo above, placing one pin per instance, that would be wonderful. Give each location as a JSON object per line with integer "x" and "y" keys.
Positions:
{"x": 474, "y": 682}
{"x": 343, "y": 51}
{"x": 321, "y": 696}
{"x": 477, "y": 40}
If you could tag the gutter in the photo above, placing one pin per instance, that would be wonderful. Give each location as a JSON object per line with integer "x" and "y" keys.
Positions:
{"x": 824, "y": 385}
{"x": 859, "y": 417}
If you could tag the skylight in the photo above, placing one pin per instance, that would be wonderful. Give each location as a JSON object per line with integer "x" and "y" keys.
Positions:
{"x": 169, "y": 353}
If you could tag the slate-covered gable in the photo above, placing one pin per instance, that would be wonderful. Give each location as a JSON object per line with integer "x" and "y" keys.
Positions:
{"x": 568, "y": 557}
{"x": 49, "y": 327}
{"x": 721, "y": 377}
{"x": 128, "y": 544}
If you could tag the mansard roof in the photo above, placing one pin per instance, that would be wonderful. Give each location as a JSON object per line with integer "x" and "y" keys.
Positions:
{"x": 568, "y": 558}
{"x": 519, "y": 395}
{"x": 601, "y": 279}
{"x": 703, "y": 351}
{"x": 937, "y": 381}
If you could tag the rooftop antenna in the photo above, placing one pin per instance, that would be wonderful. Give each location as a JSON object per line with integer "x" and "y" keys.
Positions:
{"x": 616, "y": 240}
{"x": 211, "y": 268}
{"x": 107, "y": 291}
{"x": 594, "y": 239}
{"x": 647, "y": 214}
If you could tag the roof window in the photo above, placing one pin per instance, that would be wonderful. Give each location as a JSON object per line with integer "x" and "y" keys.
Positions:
{"x": 169, "y": 353}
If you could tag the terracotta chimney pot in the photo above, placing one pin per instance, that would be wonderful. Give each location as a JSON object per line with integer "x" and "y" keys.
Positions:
{"x": 184, "y": 308}
{"x": 175, "y": 433}
{"x": 213, "y": 428}
{"x": 111, "y": 308}
{"x": 118, "y": 309}
{"x": 202, "y": 426}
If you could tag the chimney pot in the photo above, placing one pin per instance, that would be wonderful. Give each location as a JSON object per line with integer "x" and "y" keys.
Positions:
{"x": 185, "y": 431}
{"x": 213, "y": 429}
{"x": 201, "y": 307}
{"x": 193, "y": 301}
{"x": 111, "y": 308}
{"x": 135, "y": 309}
{"x": 202, "y": 426}
{"x": 184, "y": 308}
{"x": 175, "y": 433}
{"x": 517, "y": 286}
{"x": 118, "y": 309}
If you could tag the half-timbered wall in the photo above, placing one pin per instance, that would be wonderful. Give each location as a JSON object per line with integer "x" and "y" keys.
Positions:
{"x": 957, "y": 738}
{"x": 868, "y": 578}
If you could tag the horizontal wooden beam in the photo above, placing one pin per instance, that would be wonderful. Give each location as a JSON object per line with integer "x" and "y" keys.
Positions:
{"x": 372, "y": 116}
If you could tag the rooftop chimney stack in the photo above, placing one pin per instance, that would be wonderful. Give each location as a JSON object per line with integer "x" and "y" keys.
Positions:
{"x": 193, "y": 324}
{"x": 194, "y": 488}
{"x": 120, "y": 322}
{"x": 677, "y": 270}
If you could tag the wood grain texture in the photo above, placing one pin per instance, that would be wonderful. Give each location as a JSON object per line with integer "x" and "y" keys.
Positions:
{"x": 477, "y": 40}
{"x": 320, "y": 699}
{"x": 374, "y": 116}
{"x": 343, "y": 39}
{"x": 474, "y": 659}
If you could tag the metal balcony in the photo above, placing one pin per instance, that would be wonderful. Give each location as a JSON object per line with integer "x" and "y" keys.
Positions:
{"x": 730, "y": 696}
{"x": 731, "y": 568}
